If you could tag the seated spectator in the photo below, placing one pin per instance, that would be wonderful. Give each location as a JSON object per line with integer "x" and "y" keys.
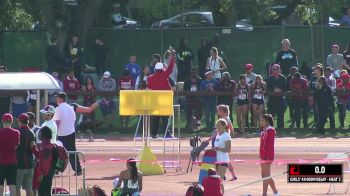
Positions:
{"x": 71, "y": 84}
{"x": 228, "y": 85}
{"x": 126, "y": 82}
{"x": 212, "y": 184}
{"x": 209, "y": 85}
{"x": 131, "y": 179}
{"x": 192, "y": 84}
{"x": 107, "y": 104}
{"x": 345, "y": 20}
{"x": 133, "y": 67}
{"x": 141, "y": 81}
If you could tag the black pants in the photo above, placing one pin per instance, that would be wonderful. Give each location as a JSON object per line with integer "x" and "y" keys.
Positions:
{"x": 342, "y": 113}
{"x": 291, "y": 104}
{"x": 155, "y": 120}
{"x": 331, "y": 117}
{"x": 276, "y": 109}
{"x": 300, "y": 110}
{"x": 46, "y": 183}
{"x": 69, "y": 143}
{"x": 193, "y": 109}
{"x": 322, "y": 113}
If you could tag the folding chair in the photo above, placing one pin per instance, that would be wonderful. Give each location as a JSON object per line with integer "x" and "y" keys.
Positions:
{"x": 339, "y": 157}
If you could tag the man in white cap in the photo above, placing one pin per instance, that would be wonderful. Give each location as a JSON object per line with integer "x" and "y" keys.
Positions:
{"x": 49, "y": 112}
{"x": 160, "y": 81}
{"x": 108, "y": 106}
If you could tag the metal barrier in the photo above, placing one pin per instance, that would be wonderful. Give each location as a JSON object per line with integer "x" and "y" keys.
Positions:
{"x": 65, "y": 180}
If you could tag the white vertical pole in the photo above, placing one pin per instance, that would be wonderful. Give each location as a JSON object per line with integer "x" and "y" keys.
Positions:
{"x": 37, "y": 107}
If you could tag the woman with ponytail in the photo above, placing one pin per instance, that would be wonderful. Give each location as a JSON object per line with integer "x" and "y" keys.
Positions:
{"x": 131, "y": 178}
{"x": 267, "y": 151}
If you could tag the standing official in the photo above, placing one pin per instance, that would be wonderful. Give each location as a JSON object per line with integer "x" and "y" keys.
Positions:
{"x": 65, "y": 120}
{"x": 160, "y": 81}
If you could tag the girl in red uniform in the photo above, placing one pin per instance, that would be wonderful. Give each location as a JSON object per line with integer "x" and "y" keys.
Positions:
{"x": 223, "y": 111}
{"x": 267, "y": 151}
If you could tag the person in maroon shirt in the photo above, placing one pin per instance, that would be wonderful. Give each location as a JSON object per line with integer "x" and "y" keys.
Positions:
{"x": 298, "y": 85}
{"x": 25, "y": 156}
{"x": 9, "y": 140}
{"x": 71, "y": 84}
{"x": 160, "y": 81}
{"x": 267, "y": 151}
{"x": 212, "y": 184}
{"x": 125, "y": 82}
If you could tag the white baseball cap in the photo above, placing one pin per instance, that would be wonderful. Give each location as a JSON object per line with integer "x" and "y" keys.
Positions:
{"x": 159, "y": 66}
{"x": 107, "y": 74}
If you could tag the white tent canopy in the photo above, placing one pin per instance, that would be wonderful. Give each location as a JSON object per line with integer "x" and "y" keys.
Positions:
{"x": 15, "y": 81}
{"x": 27, "y": 81}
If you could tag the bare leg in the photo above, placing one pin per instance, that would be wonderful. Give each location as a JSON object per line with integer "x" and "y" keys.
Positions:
{"x": 221, "y": 171}
{"x": 230, "y": 168}
{"x": 1, "y": 189}
{"x": 266, "y": 172}
{"x": 239, "y": 117}
{"x": 29, "y": 192}
{"x": 256, "y": 114}
{"x": 245, "y": 109}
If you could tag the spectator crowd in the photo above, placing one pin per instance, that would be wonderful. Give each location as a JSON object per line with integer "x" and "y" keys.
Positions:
{"x": 310, "y": 87}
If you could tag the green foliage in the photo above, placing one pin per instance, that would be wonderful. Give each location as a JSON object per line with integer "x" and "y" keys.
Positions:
{"x": 14, "y": 17}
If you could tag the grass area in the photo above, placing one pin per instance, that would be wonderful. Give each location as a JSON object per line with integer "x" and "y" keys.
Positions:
{"x": 286, "y": 132}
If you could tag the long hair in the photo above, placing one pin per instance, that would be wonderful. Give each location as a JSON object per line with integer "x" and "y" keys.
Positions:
{"x": 134, "y": 171}
{"x": 224, "y": 108}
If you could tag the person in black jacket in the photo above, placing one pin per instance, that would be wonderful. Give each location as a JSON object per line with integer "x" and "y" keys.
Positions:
{"x": 54, "y": 58}
{"x": 184, "y": 59}
{"x": 203, "y": 55}
{"x": 276, "y": 83}
{"x": 226, "y": 84}
{"x": 192, "y": 84}
{"x": 100, "y": 56}
{"x": 74, "y": 52}
{"x": 324, "y": 100}
{"x": 287, "y": 57}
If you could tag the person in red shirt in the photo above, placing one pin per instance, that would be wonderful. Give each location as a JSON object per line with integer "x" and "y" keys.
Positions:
{"x": 126, "y": 82}
{"x": 9, "y": 140}
{"x": 86, "y": 121}
{"x": 71, "y": 84}
{"x": 298, "y": 85}
{"x": 212, "y": 184}
{"x": 267, "y": 151}
{"x": 160, "y": 81}
{"x": 342, "y": 99}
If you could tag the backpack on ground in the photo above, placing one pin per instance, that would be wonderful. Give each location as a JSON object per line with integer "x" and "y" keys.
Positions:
{"x": 195, "y": 190}
{"x": 98, "y": 191}
{"x": 62, "y": 158}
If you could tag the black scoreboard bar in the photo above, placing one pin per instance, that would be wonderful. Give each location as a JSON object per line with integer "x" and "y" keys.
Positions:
{"x": 315, "y": 173}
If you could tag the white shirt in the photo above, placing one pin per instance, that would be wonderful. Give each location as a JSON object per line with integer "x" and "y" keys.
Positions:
{"x": 220, "y": 141}
{"x": 214, "y": 65}
{"x": 52, "y": 125}
{"x": 66, "y": 115}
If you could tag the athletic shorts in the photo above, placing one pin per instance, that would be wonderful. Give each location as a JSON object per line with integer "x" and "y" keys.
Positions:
{"x": 242, "y": 102}
{"x": 222, "y": 164}
{"x": 8, "y": 173}
{"x": 24, "y": 178}
{"x": 258, "y": 101}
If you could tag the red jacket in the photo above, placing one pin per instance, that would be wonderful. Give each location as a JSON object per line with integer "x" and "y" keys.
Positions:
{"x": 267, "y": 144}
{"x": 46, "y": 157}
{"x": 160, "y": 79}
{"x": 212, "y": 186}
{"x": 299, "y": 85}
{"x": 71, "y": 85}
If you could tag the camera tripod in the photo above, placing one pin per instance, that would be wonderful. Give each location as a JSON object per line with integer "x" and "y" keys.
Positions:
{"x": 194, "y": 142}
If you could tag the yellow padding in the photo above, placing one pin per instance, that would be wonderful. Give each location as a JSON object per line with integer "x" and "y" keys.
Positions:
{"x": 146, "y": 102}
{"x": 207, "y": 166}
{"x": 148, "y": 164}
